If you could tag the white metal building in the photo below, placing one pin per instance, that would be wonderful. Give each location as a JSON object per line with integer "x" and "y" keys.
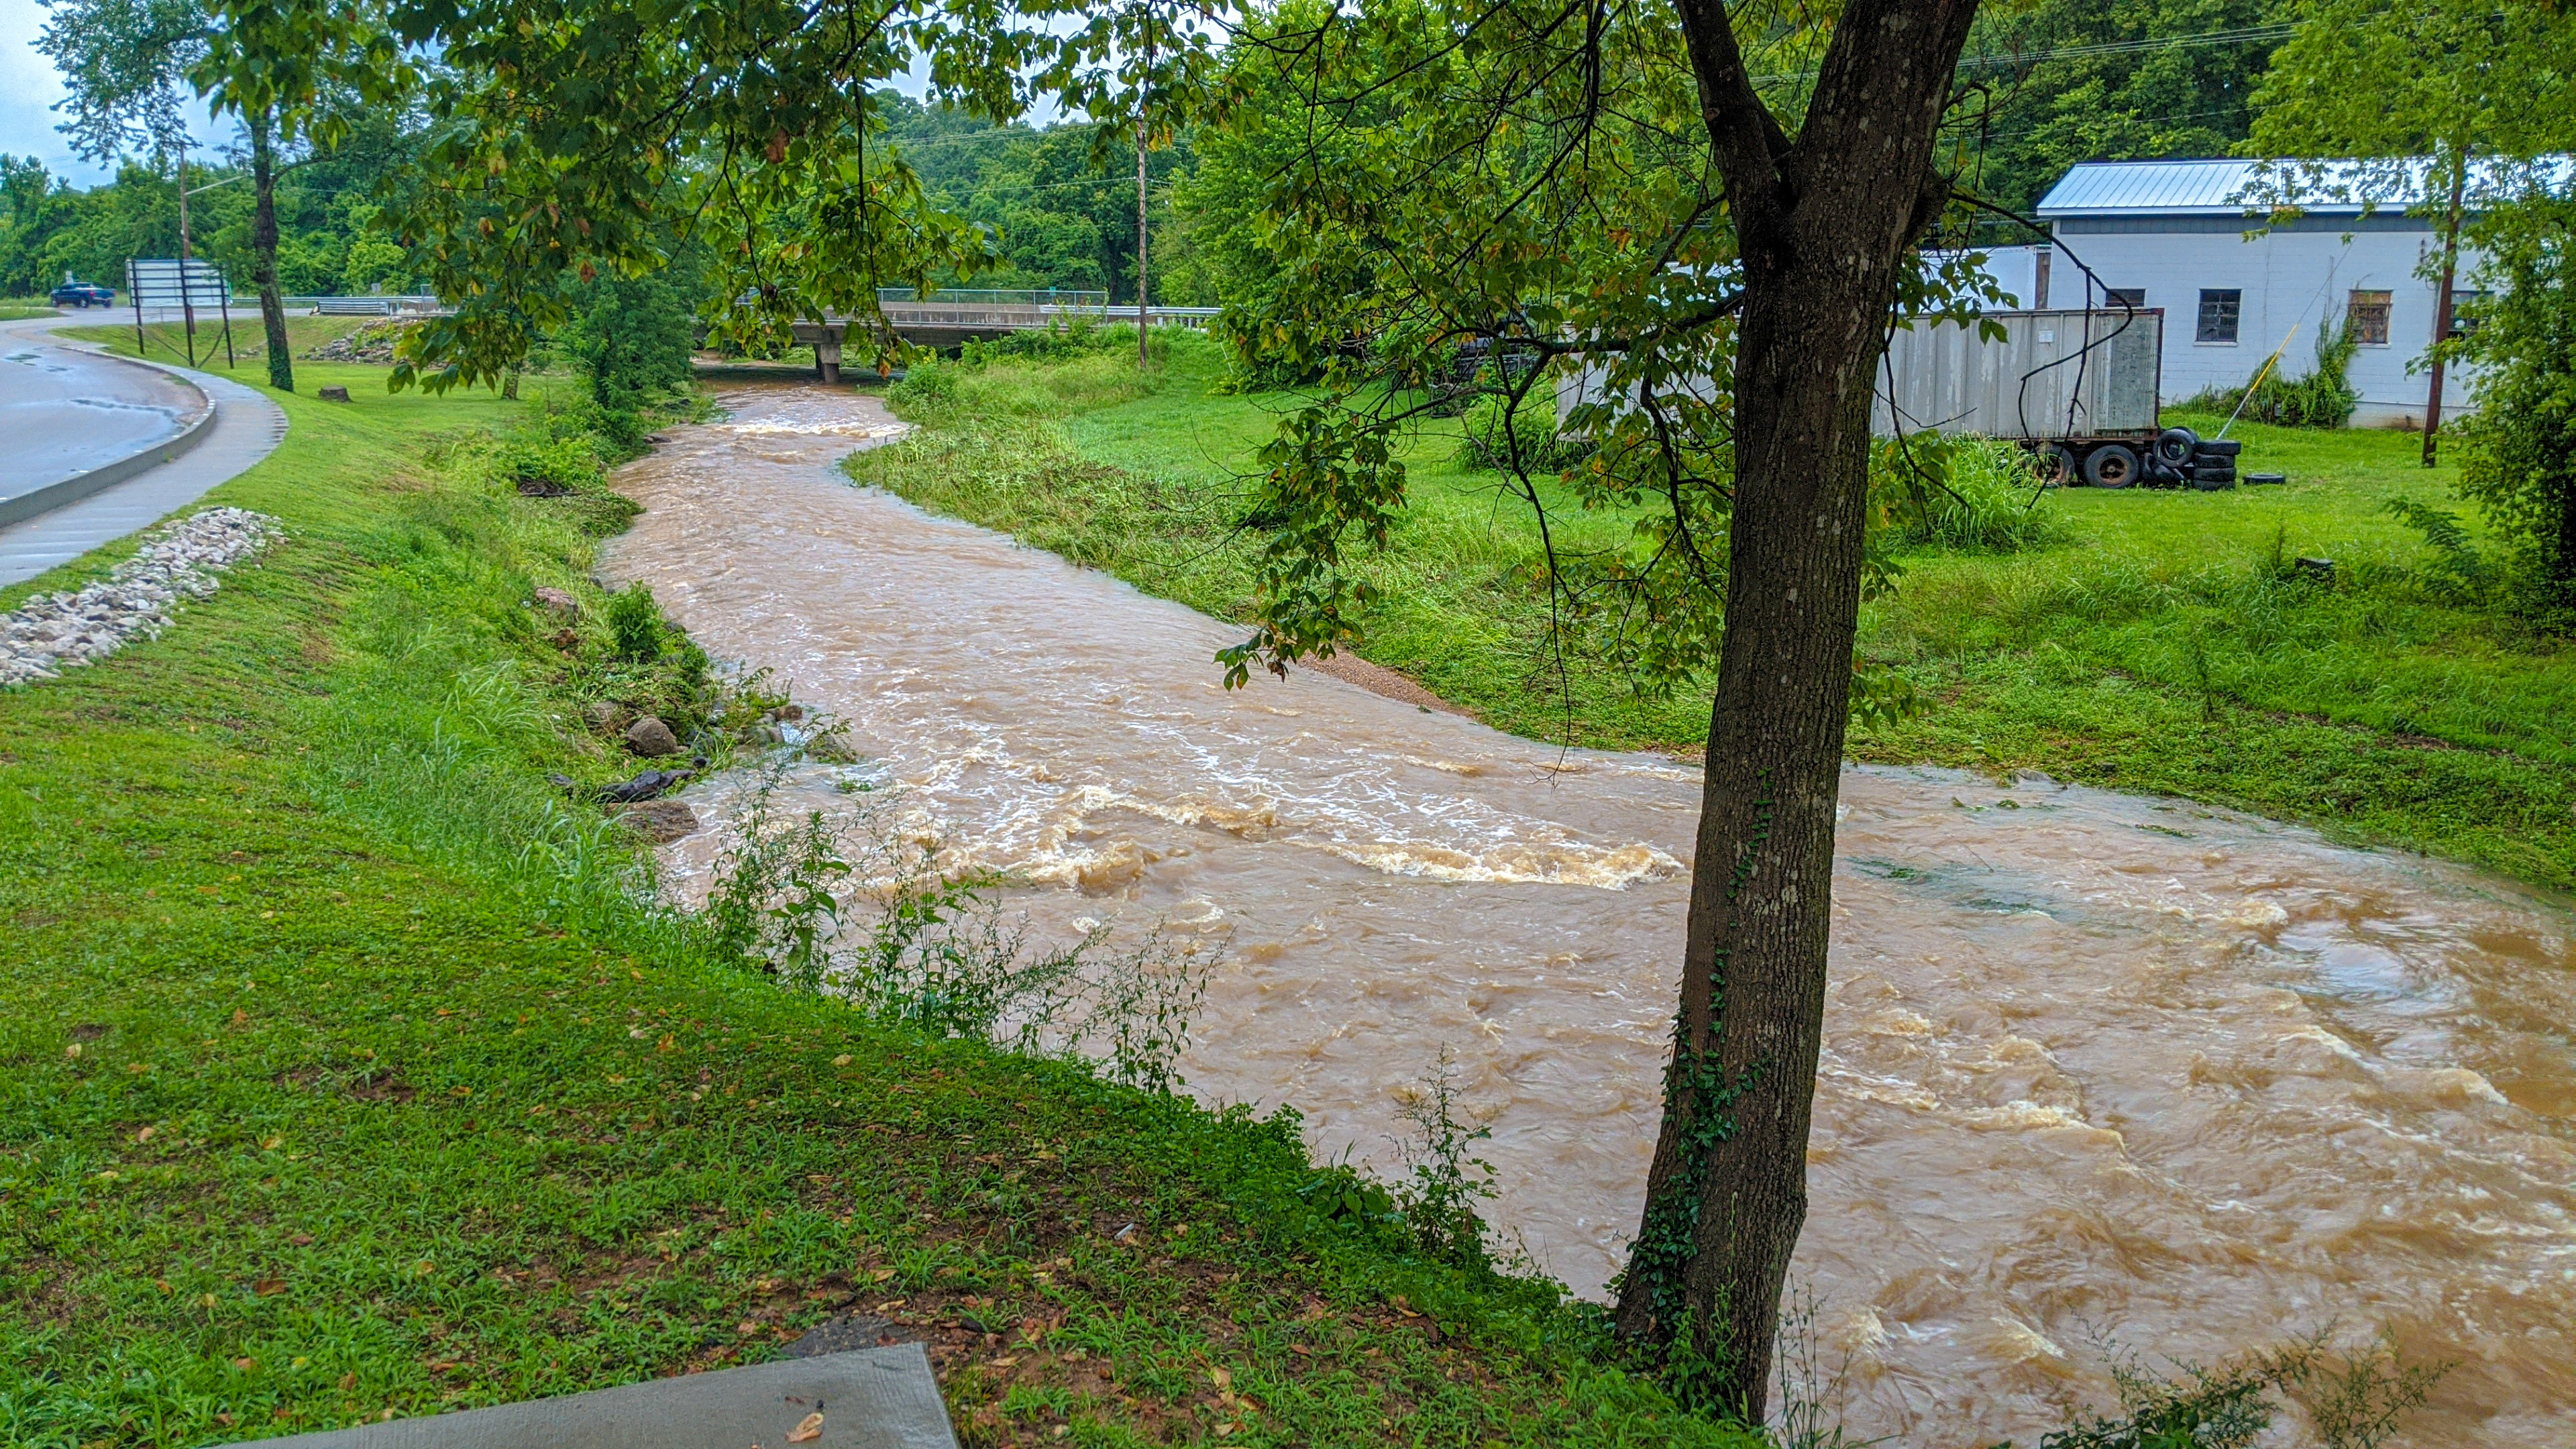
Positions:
{"x": 2189, "y": 238}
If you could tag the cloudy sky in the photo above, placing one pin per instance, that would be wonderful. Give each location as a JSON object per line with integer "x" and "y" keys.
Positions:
{"x": 28, "y": 89}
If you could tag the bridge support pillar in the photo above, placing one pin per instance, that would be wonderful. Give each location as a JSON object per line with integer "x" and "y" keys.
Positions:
{"x": 827, "y": 361}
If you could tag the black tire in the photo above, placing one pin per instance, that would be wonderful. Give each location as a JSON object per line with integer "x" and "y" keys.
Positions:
{"x": 2112, "y": 465}
{"x": 2219, "y": 447}
{"x": 2202, "y": 484}
{"x": 2174, "y": 447}
{"x": 2213, "y": 472}
{"x": 2057, "y": 466}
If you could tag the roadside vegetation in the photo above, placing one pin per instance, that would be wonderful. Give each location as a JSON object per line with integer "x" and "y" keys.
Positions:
{"x": 2392, "y": 690}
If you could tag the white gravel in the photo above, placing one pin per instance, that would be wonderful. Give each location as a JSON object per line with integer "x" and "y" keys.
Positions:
{"x": 54, "y": 632}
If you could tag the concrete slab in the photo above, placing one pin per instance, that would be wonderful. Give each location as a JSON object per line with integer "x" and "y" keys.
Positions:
{"x": 247, "y": 428}
{"x": 878, "y": 1398}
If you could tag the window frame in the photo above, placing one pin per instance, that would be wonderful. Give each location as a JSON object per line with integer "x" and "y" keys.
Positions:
{"x": 2112, "y": 297}
{"x": 2355, "y": 309}
{"x": 2233, "y": 309}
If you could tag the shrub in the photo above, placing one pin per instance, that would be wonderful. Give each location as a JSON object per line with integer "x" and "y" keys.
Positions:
{"x": 630, "y": 341}
{"x": 1963, "y": 492}
{"x": 1484, "y": 444}
{"x": 635, "y": 626}
{"x": 565, "y": 463}
{"x": 2322, "y": 399}
{"x": 2518, "y": 453}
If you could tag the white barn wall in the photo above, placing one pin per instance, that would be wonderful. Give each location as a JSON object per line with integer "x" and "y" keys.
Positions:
{"x": 2299, "y": 278}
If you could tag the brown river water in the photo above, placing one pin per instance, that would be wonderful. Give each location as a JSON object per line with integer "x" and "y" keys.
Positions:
{"x": 2094, "y": 1064}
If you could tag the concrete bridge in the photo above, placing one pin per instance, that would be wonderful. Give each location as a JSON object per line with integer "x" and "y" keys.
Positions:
{"x": 954, "y": 316}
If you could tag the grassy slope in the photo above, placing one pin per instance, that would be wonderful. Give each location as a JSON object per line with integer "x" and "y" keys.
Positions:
{"x": 2156, "y": 651}
{"x": 342, "y": 1079}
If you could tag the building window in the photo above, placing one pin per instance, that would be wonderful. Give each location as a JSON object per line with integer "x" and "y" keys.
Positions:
{"x": 2467, "y": 305}
{"x": 2118, "y": 297}
{"x": 2219, "y": 307}
{"x": 2367, "y": 317}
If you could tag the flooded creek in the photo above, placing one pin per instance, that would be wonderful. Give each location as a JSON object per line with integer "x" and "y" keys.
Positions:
{"x": 2093, "y": 1063}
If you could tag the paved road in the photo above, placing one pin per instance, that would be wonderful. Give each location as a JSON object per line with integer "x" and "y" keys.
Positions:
{"x": 247, "y": 428}
{"x": 64, "y": 410}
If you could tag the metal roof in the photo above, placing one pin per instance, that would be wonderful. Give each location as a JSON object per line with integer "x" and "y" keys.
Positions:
{"x": 2248, "y": 187}
{"x": 2213, "y": 188}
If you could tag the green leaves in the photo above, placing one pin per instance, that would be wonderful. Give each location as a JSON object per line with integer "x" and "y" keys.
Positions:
{"x": 1330, "y": 481}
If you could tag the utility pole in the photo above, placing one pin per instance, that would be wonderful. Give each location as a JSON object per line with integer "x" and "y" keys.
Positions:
{"x": 2442, "y": 304}
{"x": 187, "y": 304}
{"x": 1142, "y": 83}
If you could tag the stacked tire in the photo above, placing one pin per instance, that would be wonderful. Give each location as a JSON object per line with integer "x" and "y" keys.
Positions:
{"x": 2182, "y": 458}
{"x": 2213, "y": 463}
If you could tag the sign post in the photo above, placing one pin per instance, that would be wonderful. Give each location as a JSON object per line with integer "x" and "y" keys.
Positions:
{"x": 163, "y": 283}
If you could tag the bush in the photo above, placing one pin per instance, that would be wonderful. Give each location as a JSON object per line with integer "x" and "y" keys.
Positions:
{"x": 2518, "y": 453}
{"x": 630, "y": 340}
{"x": 1483, "y": 443}
{"x": 2322, "y": 399}
{"x": 1963, "y": 492}
{"x": 635, "y": 625}
{"x": 568, "y": 463}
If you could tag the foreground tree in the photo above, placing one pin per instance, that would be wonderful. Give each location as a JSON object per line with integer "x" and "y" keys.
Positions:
{"x": 1516, "y": 189}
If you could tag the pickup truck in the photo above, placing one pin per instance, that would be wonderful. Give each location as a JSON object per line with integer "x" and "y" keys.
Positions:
{"x": 83, "y": 294}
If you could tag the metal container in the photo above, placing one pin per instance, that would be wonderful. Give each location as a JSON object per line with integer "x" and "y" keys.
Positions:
{"x": 2040, "y": 380}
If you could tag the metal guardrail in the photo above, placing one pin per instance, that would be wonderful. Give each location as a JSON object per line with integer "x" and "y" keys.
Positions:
{"x": 374, "y": 305}
{"x": 997, "y": 296}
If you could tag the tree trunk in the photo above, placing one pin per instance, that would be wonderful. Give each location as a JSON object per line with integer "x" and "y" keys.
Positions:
{"x": 263, "y": 254}
{"x": 1824, "y": 224}
{"x": 2442, "y": 305}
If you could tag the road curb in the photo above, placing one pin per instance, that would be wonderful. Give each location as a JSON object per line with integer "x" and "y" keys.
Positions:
{"x": 81, "y": 485}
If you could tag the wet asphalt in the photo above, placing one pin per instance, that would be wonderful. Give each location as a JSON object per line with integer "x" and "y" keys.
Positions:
{"x": 64, "y": 411}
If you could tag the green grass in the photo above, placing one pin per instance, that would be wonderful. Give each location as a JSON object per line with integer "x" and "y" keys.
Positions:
{"x": 2168, "y": 645}
{"x": 346, "y": 1076}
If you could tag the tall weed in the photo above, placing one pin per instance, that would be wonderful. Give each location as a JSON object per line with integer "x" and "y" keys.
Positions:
{"x": 865, "y": 912}
{"x": 1963, "y": 492}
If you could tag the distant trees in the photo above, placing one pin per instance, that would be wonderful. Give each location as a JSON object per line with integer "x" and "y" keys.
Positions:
{"x": 2062, "y": 81}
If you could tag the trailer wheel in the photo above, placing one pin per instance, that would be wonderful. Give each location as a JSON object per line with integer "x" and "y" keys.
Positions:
{"x": 2057, "y": 467}
{"x": 2174, "y": 447}
{"x": 2111, "y": 465}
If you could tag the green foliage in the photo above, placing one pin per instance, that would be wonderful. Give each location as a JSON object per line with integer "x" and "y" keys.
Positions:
{"x": 566, "y": 461}
{"x": 2518, "y": 453}
{"x": 2053, "y": 108}
{"x": 1086, "y": 368}
{"x": 635, "y": 625}
{"x": 2323, "y": 397}
{"x": 1444, "y": 1181}
{"x": 630, "y": 342}
{"x": 1949, "y": 491}
{"x": 1531, "y": 443}
{"x": 2355, "y": 1399}
{"x": 2464, "y": 570}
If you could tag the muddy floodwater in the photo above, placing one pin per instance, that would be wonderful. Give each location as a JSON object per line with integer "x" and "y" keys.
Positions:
{"x": 2093, "y": 1064}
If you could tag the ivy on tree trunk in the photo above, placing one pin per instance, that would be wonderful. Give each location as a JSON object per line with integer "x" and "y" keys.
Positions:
{"x": 263, "y": 252}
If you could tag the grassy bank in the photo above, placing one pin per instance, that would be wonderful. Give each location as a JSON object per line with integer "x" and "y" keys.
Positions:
{"x": 2168, "y": 644}
{"x": 347, "y": 1077}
